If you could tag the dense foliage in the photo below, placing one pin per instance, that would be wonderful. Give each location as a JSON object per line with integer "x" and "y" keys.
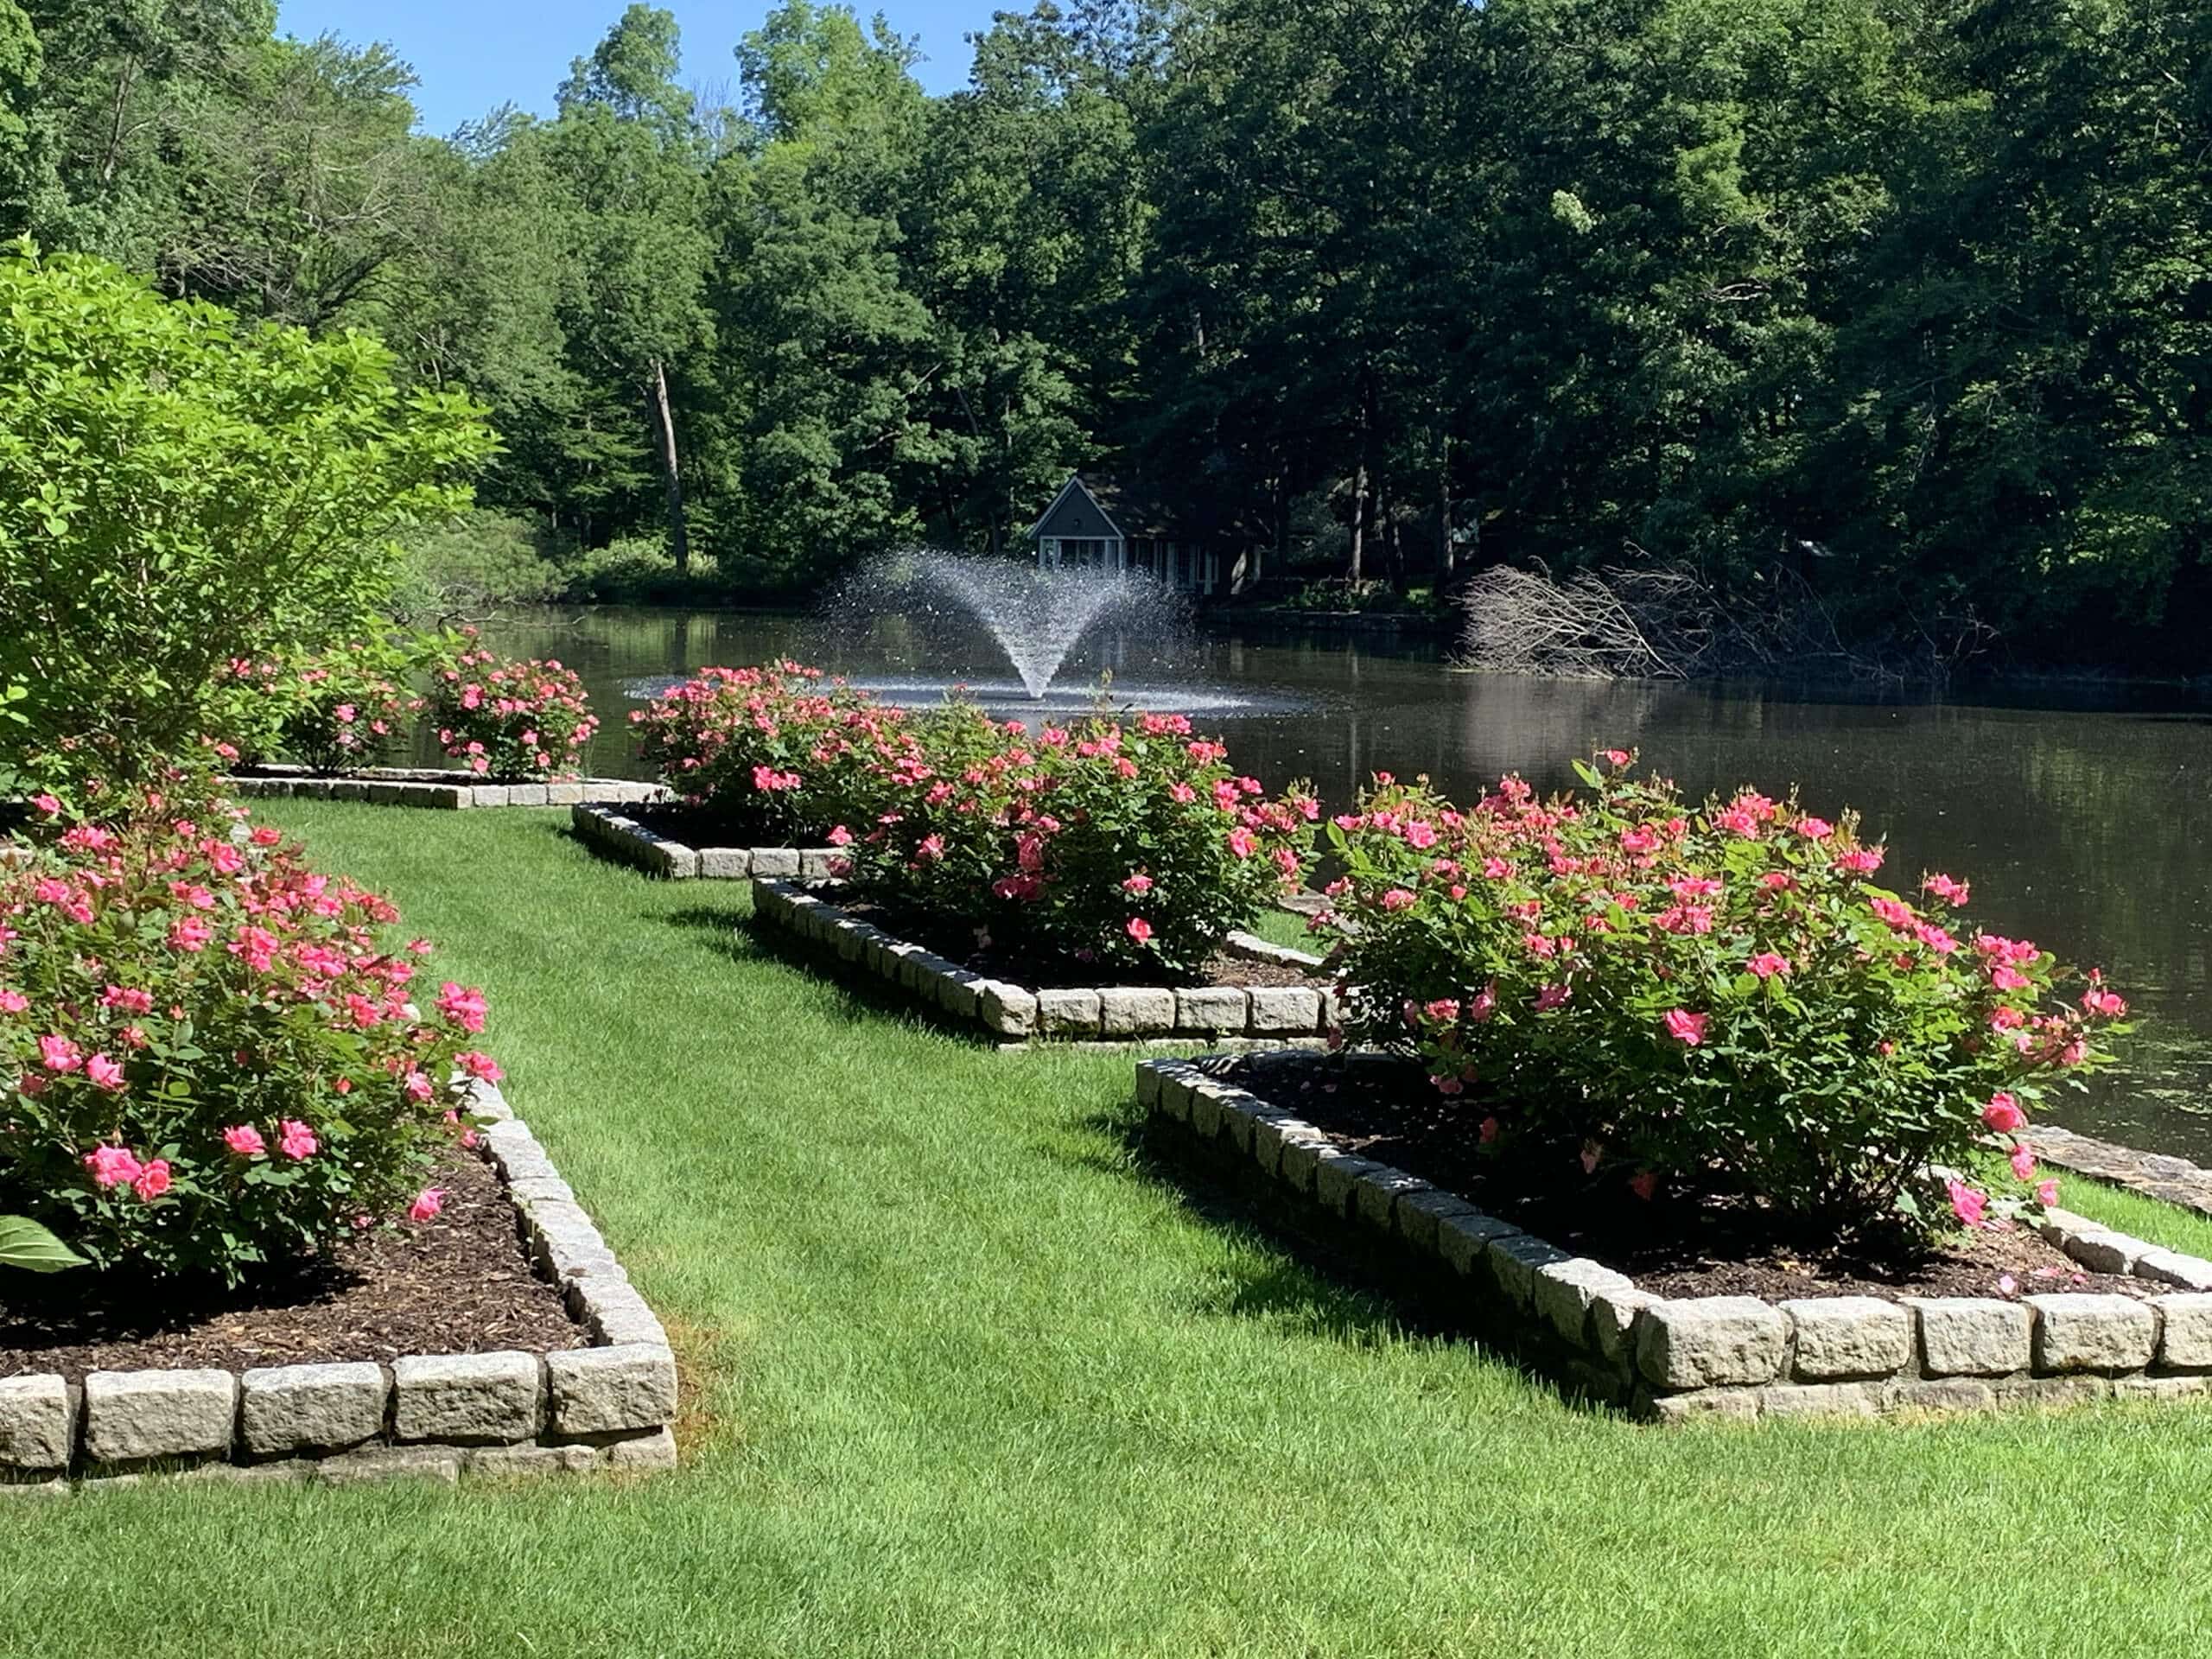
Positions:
{"x": 1904, "y": 302}
{"x": 518, "y": 722}
{"x": 212, "y": 1057}
{"x": 1698, "y": 996}
{"x": 1126, "y": 843}
{"x": 179, "y": 490}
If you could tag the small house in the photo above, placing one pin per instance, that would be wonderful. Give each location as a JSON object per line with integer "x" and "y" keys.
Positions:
{"x": 1099, "y": 523}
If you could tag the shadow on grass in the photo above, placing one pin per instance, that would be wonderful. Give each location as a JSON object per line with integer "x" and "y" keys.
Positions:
{"x": 1299, "y": 1273}
{"x": 739, "y": 937}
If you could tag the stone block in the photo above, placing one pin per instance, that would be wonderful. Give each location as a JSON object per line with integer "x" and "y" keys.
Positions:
{"x": 673, "y": 860}
{"x": 468, "y": 1398}
{"x": 956, "y": 993}
{"x": 2155, "y": 1388}
{"x": 437, "y": 1464}
{"x": 815, "y": 862}
{"x": 2074, "y": 1390}
{"x": 1849, "y": 1335}
{"x": 527, "y": 795}
{"x": 1270, "y": 1130}
{"x": 300, "y": 1408}
{"x": 514, "y": 1462}
{"x": 1211, "y": 1009}
{"x": 1971, "y": 1336}
{"x": 484, "y": 795}
{"x": 644, "y": 1453}
{"x": 132, "y": 1416}
{"x": 614, "y": 1313}
{"x": 516, "y": 1150}
{"x": 1135, "y": 1011}
{"x": 1461, "y": 1238}
{"x": 1337, "y": 1175}
{"x": 1510, "y": 1263}
{"x": 1007, "y": 1009}
{"x": 782, "y": 862}
{"x": 1148, "y": 1087}
{"x": 1416, "y": 1216}
{"x": 1301, "y": 1155}
{"x": 2191, "y": 1273}
{"x": 1381, "y": 1190}
{"x": 2076, "y": 1331}
{"x": 1701, "y": 1341}
{"x": 1939, "y": 1395}
{"x": 1176, "y": 1090}
{"x": 1737, "y": 1405}
{"x": 2105, "y": 1252}
{"x": 568, "y": 794}
{"x": 1205, "y": 1108}
{"x": 1285, "y": 1008}
{"x": 1562, "y": 1293}
{"x": 36, "y": 1423}
{"x": 1821, "y": 1400}
{"x": 1612, "y": 1323}
{"x": 724, "y": 863}
{"x": 2185, "y": 1341}
{"x": 610, "y": 1390}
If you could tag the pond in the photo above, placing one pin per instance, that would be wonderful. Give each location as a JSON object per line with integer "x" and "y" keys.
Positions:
{"x": 2080, "y": 818}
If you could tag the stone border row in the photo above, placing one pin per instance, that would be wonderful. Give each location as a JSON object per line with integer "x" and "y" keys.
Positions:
{"x": 439, "y": 787}
{"x": 625, "y": 839}
{"x": 607, "y": 1406}
{"x": 2154, "y": 1174}
{"x": 1738, "y": 1356}
{"x": 1276, "y": 1014}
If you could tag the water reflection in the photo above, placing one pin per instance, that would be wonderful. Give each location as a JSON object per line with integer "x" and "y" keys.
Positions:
{"x": 2080, "y": 826}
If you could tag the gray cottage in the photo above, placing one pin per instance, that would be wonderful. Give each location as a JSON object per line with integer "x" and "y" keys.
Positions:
{"x": 1098, "y": 523}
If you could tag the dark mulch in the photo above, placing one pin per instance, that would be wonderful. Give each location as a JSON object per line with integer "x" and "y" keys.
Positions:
{"x": 459, "y": 1284}
{"x": 701, "y": 826}
{"x": 972, "y": 949}
{"x": 1678, "y": 1244}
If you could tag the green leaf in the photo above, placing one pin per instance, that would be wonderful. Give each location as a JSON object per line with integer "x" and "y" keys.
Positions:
{"x": 25, "y": 1244}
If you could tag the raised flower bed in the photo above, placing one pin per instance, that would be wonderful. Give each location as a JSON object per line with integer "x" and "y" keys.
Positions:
{"x": 258, "y": 1131}
{"x": 594, "y": 1389}
{"x": 1274, "y": 1014}
{"x": 2144, "y": 1329}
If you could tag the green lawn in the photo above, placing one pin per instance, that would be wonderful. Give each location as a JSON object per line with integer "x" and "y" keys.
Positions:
{"x": 965, "y": 1378}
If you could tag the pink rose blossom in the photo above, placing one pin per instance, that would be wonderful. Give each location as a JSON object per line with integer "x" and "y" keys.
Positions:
{"x": 2003, "y": 1114}
{"x": 1769, "y": 964}
{"x": 2047, "y": 1193}
{"x": 296, "y": 1141}
{"x": 1687, "y": 1027}
{"x": 244, "y": 1140}
{"x": 1140, "y": 930}
{"x": 152, "y": 1181}
{"x": 113, "y": 1165}
{"x": 1967, "y": 1203}
{"x": 2023, "y": 1164}
{"x": 1138, "y": 883}
{"x": 59, "y": 1054}
{"x": 105, "y": 1073}
{"x": 428, "y": 1202}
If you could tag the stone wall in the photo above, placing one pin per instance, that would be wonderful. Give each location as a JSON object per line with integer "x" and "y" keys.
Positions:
{"x": 438, "y": 787}
{"x": 1738, "y": 1356}
{"x": 618, "y": 837}
{"x": 1276, "y": 1015}
{"x": 434, "y": 1416}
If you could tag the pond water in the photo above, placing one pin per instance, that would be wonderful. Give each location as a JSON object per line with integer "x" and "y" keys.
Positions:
{"x": 2081, "y": 819}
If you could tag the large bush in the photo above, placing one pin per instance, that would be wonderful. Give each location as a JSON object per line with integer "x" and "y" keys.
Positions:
{"x": 179, "y": 490}
{"x": 1130, "y": 846}
{"x": 776, "y": 754}
{"x": 335, "y": 710}
{"x": 520, "y": 722}
{"x": 210, "y": 1055}
{"x": 1716, "y": 996}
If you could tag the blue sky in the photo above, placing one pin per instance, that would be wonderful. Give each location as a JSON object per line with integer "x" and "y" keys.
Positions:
{"x": 473, "y": 56}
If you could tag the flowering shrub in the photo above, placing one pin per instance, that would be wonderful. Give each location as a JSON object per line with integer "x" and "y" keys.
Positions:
{"x": 777, "y": 754}
{"x": 334, "y": 711}
{"x": 1691, "y": 993}
{"x": 1131, "y": 845}
{"x": 207, "y": 1058}
{"x": 513, "y": 721}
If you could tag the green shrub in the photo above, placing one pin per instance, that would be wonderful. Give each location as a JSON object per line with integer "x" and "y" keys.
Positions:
{"x": 1713, "y": 999}
{"x": 212, "y": 1059}
{"x": 639, "y": 570}
{"x": 179, "y": 490}
{"x": 471, "y": 563}
{"x": 517, "y": 722}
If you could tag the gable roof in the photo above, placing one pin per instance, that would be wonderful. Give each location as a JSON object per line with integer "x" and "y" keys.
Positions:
{"x": 1129, "y": 509}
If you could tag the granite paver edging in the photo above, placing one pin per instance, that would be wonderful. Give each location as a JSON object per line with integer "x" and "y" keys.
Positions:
{"x": 611, "y": 832}
{"x": 443, "y": 788}
{"x": 1274, "y": 1016}
{"x": 430, "y": 1416}
{"x": 1737, "y": 1357}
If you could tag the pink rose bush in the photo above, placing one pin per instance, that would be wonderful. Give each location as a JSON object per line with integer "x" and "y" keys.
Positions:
{"x": 1130, "y": 846}
{"x": 519, "y": 722}
{"x": 1717, "y": 997}
{"x": 209, "y": 1057}
{"x": 778, "y": 755}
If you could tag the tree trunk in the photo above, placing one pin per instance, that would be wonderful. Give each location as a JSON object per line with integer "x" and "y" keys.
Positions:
{"x": 1443, "y": 511}
{"x": 679, "y": 543}
{"x": 1359, "y": 515}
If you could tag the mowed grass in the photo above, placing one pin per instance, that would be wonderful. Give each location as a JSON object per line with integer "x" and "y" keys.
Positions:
{"x": 968, "y": 1377}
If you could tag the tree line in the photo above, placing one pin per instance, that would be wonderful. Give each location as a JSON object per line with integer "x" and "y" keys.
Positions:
{"x": 1905, "y": 304}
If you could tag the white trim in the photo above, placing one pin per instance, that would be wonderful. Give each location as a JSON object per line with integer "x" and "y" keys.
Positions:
{"x": 1075, "y": 482}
